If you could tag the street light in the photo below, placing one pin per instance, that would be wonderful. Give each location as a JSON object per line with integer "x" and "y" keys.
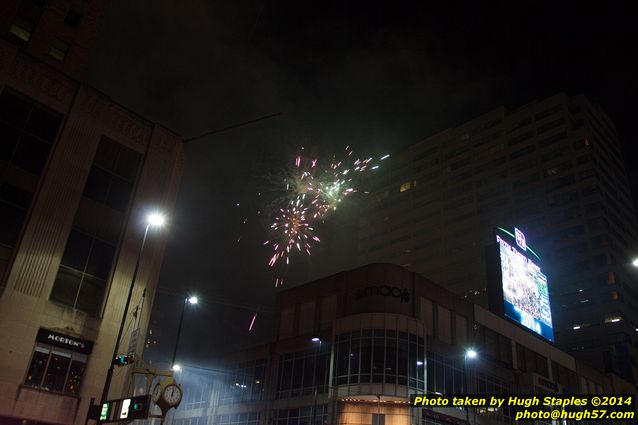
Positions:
{"x": 317, "y": 341}
{"x": 192, "y": 300}
{"x": 155, "y": 219}
{"x": 470, "y": 354}
{"x": 635, "y": 262}
{"x": 176, "y": 368}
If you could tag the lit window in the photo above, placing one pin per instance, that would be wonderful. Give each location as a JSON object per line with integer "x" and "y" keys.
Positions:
{"x": 58, "y": 49}
{"x": 21, "y": 29}
{"x": 611, "y": 278}
{"x": 407, "y": 186}
{"x": 56, "y": 369}
{"x": 614, "y": 295}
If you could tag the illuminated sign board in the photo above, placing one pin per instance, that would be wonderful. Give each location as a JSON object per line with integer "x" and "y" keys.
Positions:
{"x": 525, "y": 293}
{"x": 64, "y": 341}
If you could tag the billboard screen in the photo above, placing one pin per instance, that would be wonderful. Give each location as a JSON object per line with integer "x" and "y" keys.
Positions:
{"x": 525, "y": 294}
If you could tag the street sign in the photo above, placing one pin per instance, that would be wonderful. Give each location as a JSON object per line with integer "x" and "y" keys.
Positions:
{"x": 132, "y": 345}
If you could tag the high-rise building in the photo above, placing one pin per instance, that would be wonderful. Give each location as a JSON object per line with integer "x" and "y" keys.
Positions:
{"x": 78, "y": 173}
{"x": 552, "y": 168}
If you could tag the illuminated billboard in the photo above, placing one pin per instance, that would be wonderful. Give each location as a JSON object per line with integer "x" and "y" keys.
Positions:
{"x": 524, "y": 286}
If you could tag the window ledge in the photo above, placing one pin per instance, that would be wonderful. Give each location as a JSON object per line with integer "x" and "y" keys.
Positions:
{"x": 54, "y": 393}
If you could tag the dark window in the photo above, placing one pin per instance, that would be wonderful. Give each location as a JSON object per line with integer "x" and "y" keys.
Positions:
{"x": 379, "y": 356}
{"x": 523, "y": 181}
{"x": 489, "y": 165}
{"x": 13, "y": 208}
{"x": 548, "y": 112}
{"x": 520, "y": 124}
{"x": 83, "y": 273}
{"x": 112, "y": 176}
{"x": 378, "y": 419}
{"x": 56, "y": 369}
{"x": 301, "y": 373}
{"x": 552, "y": 139}
{"x": 73, "y": 18}
{"x": 559, "y": 183}
{"x": 520, "y": 138}
{"x": 522, "y": 152}
{"x": 27, "y": 132}
{"x": 390, "y": 361}
{"x": 550, "y": 125}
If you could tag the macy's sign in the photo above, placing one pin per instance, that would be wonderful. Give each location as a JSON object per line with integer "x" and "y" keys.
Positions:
{"x": 384, "y": 291}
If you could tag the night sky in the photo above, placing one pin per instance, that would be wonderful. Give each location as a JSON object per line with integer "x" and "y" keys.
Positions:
{"x": 376, "y": 75}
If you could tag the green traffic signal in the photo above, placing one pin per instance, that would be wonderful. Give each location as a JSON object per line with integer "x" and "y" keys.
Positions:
{"x": 104, "y": 413}
{"x": 124, "y": 359}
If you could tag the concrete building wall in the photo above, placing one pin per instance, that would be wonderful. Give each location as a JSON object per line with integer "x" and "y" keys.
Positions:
{"x": 88, "y": 117}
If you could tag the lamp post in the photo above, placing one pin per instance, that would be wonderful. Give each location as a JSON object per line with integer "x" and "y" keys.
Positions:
{"x": 188, "y": 300}
{"x": 317, "y": 341}
{"x": 470, "y": 354}
{"x": 153, "y": 220}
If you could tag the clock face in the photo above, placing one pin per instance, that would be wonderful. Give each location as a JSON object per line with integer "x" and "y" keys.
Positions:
{"x": 157, "y": 392}
{"x": 173, "y": 395}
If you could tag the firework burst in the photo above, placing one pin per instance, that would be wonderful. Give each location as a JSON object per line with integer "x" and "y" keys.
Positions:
{"x": 293, "y": 232}
{"x": 313, "y": 190}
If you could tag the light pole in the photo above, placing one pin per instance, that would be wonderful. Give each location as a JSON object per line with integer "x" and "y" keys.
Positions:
{"x": 470, "y": 354}
{"x": 188, "y": 300}
{"x": 317, "y": 341}
{"x": 153, "y": 220}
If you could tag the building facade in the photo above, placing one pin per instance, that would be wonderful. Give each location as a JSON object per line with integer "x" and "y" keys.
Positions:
{"x": 552, "y": 168}
{"x": 78, "y": 174}
{"x": 351, "y": 348}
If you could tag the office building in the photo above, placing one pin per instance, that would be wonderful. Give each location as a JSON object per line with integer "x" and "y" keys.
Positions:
{"x": 552, "y": 168}
{"x": 78, "y": 174}
{"x": 58, "y": 33}
{"x": 351, "y": 348}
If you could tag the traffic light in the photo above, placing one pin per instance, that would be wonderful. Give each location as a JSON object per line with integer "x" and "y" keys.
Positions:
{"x": 137, "y": 406}
{"x": 124, "y": 359}
{"x": 104, "y": 413}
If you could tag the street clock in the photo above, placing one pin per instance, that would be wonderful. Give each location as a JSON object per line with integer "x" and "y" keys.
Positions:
{"x": 172, "y": 395}
{"x": 167, "y": 394}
